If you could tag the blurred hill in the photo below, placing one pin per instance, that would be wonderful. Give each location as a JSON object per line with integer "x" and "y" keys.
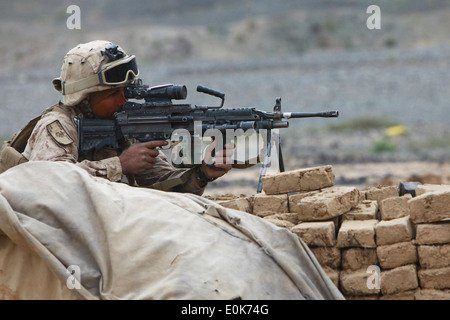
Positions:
{"x": 34, "y": 33}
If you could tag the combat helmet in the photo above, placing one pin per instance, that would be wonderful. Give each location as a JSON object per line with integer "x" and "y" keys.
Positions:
{"x": 93, "y": 67}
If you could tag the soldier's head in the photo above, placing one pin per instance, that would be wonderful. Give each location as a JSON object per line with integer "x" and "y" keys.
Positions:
{"x": 94, "y": 74}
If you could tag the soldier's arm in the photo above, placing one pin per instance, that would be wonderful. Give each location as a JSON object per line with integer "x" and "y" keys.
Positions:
{"x": 165, "y": 177}
{"x": 57, "y": 140}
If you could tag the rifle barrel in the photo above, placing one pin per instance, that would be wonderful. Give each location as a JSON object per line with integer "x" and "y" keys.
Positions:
{"x": 324, "y": 114}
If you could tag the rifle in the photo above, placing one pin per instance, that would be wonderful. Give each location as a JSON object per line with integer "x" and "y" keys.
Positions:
{"x": 158, "y": 118}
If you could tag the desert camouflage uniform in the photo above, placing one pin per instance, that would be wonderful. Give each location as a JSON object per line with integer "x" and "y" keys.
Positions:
{"x": 55, "y": 138}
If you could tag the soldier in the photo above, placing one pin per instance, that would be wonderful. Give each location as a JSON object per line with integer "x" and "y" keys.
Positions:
{"x": 92, "y": 82}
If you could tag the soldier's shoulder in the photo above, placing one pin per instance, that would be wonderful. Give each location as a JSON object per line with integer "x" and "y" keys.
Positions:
{"x": 58, "y": 122}
{"x": 59, "y": 110}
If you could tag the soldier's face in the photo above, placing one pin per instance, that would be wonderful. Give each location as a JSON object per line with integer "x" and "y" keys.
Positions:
{"x": 106, "y": 108}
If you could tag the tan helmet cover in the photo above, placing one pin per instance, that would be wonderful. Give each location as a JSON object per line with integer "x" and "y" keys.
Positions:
{"x": 79, "y": 63}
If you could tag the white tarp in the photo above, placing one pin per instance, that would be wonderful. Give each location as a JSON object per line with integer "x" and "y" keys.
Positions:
{"x": 125, "y": 242}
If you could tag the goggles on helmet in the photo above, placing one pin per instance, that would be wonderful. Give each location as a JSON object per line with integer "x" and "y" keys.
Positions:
{"x": 119, "y": 71}
{"x": 114, "y": 73}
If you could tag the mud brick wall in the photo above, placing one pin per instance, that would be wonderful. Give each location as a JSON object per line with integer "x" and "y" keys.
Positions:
{"x": 373, "y": 243}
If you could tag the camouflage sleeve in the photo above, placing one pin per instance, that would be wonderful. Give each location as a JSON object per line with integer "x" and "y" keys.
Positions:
{"x": 166, "y": 177}
{"x": 56, "y": 139}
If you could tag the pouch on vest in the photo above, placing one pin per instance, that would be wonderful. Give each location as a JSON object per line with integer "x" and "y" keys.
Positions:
{"x": 11, "y": 152}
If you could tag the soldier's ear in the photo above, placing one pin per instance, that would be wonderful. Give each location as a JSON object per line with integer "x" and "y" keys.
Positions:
{"x": 57, "y": 84}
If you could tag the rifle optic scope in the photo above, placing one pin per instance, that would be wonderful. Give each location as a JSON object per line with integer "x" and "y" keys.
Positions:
{"x": 164, "y": 92}
{"x": 177, "y": 92}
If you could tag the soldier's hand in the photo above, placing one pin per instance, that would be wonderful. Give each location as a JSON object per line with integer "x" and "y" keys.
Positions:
{"x": 140, "y": 156}
{"x": 222, "y": 160}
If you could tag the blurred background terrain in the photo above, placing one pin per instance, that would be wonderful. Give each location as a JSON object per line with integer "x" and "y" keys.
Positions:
{"x": 391, "y": 86}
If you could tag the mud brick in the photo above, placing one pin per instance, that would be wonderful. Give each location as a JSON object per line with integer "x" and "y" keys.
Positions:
{"x": 394, "y": 231}
{"x": 430, "y": 207}
{"x": 318, "y": 234}
{"x": 290, "y": 217}
{"x": 371, "y": 297}
{"x": 433, "y": 233}
{"x": 357, "y": 233}
{"x": 336, "y": 222}
{"x": 380, "y": 193}
{"x": 434, "y": 278}
{"x": 394, "y": 207}
{"x": 398, "y": 280}
{"x": 358, "y": 258}
{"x": 395, "y": 255}
{"x": 354, "y": 283}
{"x": 327, "y": 256}
{"x": 264, "y": 205}
{"x": 280, "y": 223}
{"x": 241, "y": 204}
{"x": 432, "y": 294}
{"x": 333, "y": 275}
{"x": 299, "y": 180}
{"x": 324, "y": 205}
{"x": 363, "y": 194}
{"x": 301, "y": 195}
{"x": 405, "y": 295}
{"x": 420, "y": 190}
{"x": 366, "y": 210}
{"x": 434, "y": 257}
{"x": 223, "y": 197}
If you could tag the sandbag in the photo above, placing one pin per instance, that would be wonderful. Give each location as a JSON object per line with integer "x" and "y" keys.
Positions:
{"x": 122, "y": 242}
